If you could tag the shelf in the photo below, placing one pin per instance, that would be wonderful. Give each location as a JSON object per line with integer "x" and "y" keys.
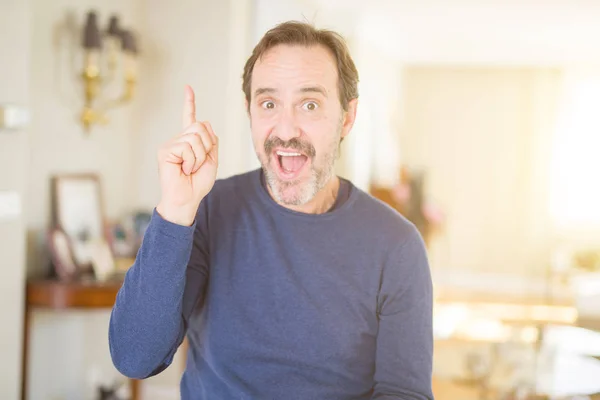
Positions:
{"x": 63, "y": 295}
{"x": 56, "y": 295}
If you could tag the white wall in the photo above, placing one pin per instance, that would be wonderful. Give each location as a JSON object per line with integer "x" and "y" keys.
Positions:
{"x": 203, "y": 44}
{"x": 482, "y": 136}
{"x": 14, "y": 44}
{"x": 374, "y": 150}
{"x": 483, "y": 32}
{"x": 58, "y": 144}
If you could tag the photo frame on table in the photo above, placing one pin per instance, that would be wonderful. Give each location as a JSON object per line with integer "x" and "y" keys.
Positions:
{"x": 61, "y": 254}
{"x": 77, "y": 211}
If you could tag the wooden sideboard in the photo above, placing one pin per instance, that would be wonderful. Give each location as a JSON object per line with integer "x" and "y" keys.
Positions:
{"x": 56, "y": 295}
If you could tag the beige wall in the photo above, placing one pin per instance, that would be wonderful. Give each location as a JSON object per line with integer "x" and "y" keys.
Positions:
{"x": 209, "y": 55}
{"x": 14, "y": 44}
{"x": 59, "y": 145}
{"x": 483, "y": 136}
{"x": 374, "y": 149}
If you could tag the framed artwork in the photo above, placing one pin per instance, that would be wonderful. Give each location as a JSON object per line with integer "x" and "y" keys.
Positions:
{"x": 78, "y": 212}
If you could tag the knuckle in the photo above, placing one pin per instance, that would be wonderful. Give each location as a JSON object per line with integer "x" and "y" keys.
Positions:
{"x": 176, "y": 147}
{"x": 207, "y": 142}
{"x": 198, "y": 141}
{"x": 207, "y": 126}
{"x": 189, "y": 137}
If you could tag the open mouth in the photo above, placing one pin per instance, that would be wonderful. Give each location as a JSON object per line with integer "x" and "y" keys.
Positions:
{"x": 290, "y": 163}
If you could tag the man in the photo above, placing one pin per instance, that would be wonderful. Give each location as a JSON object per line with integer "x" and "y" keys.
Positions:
{"x": 289, "y": 282}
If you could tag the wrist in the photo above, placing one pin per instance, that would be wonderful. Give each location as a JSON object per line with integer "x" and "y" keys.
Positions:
{"x": 180, "y": 215}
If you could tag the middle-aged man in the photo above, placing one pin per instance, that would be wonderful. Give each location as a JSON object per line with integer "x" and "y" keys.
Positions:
{"x": 289, "y": 282}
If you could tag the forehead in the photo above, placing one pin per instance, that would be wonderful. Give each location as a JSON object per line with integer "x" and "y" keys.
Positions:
{"x": 286, "y": 67}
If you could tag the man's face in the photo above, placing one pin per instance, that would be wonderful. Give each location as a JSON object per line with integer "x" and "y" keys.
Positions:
{"x": 297, "y": 120}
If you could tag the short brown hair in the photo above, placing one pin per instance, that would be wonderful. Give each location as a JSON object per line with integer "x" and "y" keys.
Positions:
{"x": 304, "y": 34}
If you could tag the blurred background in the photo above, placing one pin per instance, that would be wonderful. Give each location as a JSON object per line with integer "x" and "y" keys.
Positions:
{"x": 478, "y": 120}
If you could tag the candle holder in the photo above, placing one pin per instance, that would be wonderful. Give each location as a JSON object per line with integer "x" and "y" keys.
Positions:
{"x": 107, "y": 54}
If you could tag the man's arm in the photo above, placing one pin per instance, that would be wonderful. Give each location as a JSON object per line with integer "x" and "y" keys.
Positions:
{"x": 405, "y": 339}
{"x": 149, "y": 318}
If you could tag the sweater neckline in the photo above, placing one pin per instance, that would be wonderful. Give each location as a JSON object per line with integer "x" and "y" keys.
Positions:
{"x": 266, "y": 198}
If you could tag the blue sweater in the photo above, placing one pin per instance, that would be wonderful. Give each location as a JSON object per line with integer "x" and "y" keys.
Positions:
{"x": 278, "y": 304}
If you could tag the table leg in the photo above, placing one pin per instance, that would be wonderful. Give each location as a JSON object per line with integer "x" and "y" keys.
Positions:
{"x": 134, "y": 384}
{"x": 26, "y": 323}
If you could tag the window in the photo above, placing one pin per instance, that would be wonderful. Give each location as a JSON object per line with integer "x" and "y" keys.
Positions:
{"x": 575, "y": 169}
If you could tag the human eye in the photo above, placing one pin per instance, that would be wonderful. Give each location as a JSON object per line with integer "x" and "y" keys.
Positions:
{"x": 310, "y": 106}
{"x": 268, "y": 104}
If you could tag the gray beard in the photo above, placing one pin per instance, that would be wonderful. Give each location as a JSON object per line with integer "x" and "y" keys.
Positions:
{"x": 319, "y": 177}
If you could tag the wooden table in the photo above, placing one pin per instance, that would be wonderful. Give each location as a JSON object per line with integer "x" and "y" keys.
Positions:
{"x": 56, "y": 295}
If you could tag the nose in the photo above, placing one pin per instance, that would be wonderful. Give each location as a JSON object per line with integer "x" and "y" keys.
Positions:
{"x": 287, "y": 126}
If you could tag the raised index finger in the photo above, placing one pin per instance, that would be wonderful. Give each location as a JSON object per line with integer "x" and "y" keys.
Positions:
{"x": 189, "y": 107}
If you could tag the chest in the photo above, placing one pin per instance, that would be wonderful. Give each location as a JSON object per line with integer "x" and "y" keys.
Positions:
{"x": 310, "y": 297}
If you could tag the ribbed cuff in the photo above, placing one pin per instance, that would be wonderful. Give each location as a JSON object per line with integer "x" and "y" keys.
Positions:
{"x": 171, "y": 229}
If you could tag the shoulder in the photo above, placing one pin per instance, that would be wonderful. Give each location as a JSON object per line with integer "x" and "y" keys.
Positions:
{"x": 405, "y": 276}
{"x": 383, "y": 221}
{"x": 230, "y": 197}
{"x": 240, "y": 183}
{"x": 234, "y": 190}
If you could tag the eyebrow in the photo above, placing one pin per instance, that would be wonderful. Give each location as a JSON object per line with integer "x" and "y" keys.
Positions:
{"x": 314, "y": 89}
{"x": 308, "y": 89}
{"x": 260, "y": 91}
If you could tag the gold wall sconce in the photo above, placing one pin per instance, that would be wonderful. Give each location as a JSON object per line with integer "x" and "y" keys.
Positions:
{"x": 108, "y": 56}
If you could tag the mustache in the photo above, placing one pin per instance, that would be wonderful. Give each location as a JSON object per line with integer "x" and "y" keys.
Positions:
{"x": 294, "y": 143}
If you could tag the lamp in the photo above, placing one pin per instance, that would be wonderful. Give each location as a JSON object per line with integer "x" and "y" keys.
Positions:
{"x": 100, "y": 48}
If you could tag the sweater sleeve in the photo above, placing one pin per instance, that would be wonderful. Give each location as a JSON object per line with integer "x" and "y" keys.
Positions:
{"x": 405, "y": 338}
{"x": 149, "y": 318}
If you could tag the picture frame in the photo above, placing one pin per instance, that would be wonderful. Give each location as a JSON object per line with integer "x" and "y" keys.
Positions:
{"x": 77, "y": 210}
{"x": 61, "y": 254}
{"x": 103, "y": 262}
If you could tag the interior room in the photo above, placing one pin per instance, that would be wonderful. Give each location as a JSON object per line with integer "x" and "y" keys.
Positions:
{"x": 477, "y": 121}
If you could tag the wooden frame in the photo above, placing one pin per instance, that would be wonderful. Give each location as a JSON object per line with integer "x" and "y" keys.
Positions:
{"x": 77, "y": 210}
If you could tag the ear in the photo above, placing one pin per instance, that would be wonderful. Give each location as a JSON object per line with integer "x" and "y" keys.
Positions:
{"x": 349, "y": 117}
{"x": 247, "y": 106}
